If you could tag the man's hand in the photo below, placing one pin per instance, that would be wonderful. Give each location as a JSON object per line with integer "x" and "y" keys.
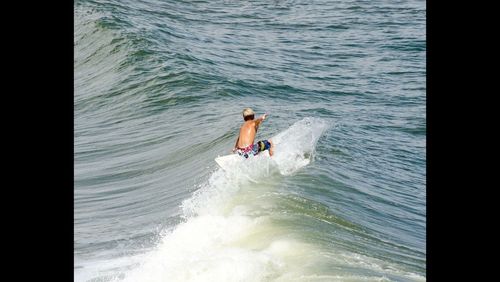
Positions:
{"x": 259, "y": 121}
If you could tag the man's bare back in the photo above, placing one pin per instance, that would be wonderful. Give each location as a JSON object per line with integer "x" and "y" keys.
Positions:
{"x": 248, "y": 131}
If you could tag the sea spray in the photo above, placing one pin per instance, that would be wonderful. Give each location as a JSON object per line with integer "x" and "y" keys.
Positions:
{"x": 295, "y": 147}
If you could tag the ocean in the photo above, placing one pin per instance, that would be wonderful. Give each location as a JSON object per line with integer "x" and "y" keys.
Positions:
{"x": 159, "y": 89}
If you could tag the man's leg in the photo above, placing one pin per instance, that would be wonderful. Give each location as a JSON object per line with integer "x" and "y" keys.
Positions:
{"x": 271, "y": 149}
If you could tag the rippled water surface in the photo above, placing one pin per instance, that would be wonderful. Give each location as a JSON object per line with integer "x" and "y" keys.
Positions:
{"x": 159, "y": 90}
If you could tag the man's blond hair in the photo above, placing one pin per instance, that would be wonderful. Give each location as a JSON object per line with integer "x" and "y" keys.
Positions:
{"x": 248, "y": 112}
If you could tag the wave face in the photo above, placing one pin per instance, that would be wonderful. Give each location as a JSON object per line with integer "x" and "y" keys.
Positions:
{"x": 159, "y": 90}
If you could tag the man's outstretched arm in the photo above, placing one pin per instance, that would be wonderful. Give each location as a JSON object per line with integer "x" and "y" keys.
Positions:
{"x": 260, "y": 120}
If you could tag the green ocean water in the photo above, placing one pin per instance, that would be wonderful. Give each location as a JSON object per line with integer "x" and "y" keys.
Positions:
{"x": 159, "y": 90}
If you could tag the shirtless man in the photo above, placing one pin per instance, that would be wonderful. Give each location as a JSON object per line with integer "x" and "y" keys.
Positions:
{"x": 244, "y": 144}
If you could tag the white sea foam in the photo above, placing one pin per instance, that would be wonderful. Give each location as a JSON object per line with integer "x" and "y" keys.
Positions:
{"x": 229, "y": 233}
{"x": 221, "y": 238}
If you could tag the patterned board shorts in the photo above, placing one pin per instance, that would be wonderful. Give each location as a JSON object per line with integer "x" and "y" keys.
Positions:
{"x": 254, "y": 149}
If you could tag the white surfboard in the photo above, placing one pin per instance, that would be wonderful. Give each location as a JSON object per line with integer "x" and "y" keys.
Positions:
{"x": 228, "y": 161}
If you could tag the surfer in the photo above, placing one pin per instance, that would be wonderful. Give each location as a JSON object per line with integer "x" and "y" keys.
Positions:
{"x": 244, "y": 144}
